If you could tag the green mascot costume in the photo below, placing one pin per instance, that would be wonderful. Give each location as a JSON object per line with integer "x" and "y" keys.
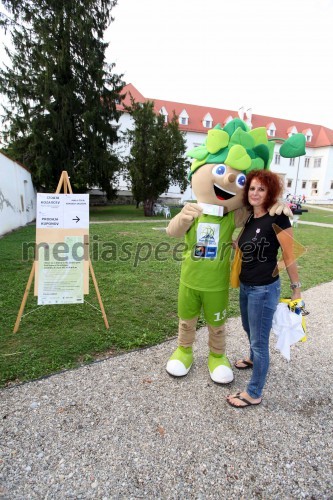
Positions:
{"x": 218, "y": 175}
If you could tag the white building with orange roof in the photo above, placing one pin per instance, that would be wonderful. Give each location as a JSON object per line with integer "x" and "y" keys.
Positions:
{"x": 310, "y": 175}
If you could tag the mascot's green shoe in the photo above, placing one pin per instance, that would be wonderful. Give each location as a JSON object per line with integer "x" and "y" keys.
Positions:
{"x": 219, "y": 368}
{"x": 180, "y": 362}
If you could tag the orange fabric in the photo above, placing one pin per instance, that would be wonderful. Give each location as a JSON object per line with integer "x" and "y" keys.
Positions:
{"x": 236, "y": 269}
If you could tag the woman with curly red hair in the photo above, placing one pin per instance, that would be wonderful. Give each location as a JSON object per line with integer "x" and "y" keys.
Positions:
{"x": 259, "y": 279}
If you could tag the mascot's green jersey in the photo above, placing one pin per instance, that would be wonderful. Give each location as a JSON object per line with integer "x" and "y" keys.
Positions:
{"x": 206, "y": 264}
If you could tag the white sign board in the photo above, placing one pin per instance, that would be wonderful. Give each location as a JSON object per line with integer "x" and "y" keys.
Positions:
{"x": 62, "y": 211}
{"x": 60, "y": 277}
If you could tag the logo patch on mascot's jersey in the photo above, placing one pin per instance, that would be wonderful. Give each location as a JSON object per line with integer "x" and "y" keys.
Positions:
{"x": 208, "y": 236}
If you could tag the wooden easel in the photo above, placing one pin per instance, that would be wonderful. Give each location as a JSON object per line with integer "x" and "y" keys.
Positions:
{"x": 65, "y": 183}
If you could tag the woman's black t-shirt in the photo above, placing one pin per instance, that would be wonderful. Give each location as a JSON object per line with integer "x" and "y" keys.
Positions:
{"x": 259, "y": 246}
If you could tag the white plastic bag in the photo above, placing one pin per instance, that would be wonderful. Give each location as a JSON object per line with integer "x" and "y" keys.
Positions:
{"x": 287, "y": 326}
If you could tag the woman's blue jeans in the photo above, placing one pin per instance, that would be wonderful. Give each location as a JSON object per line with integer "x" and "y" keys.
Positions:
{"x": 258, "y": 305}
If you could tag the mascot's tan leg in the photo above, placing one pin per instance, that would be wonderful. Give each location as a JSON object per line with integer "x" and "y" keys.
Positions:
{"x": 186, "y": 332}
{"x": 181, "y": 360}
{"x": 219, "y": 367}
{"x": 217, "y": 339}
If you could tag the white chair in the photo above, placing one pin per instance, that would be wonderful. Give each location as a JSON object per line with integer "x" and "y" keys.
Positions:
{"x": 157, "y": 209}
{"x": 166, "y": 211}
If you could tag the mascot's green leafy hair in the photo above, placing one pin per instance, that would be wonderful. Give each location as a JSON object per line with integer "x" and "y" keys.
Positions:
{"x": 242, "y": 148}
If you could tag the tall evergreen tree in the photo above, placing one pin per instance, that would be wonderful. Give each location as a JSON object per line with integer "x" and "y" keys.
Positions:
{"x": 156, "y": 158}
{"x": 61, "y": 93}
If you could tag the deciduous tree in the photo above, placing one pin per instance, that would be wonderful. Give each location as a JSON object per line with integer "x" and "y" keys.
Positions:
{"x": 156, "y": 159}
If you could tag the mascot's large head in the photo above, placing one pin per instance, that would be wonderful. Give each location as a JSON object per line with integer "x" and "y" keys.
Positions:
{"x": 220, "y": 165}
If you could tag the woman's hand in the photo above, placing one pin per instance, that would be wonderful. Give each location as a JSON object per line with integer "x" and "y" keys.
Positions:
{"x": 296, "y": 294}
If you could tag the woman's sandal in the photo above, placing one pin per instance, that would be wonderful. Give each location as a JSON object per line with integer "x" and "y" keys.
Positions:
{"x": 248, "y": 364}
{"x": 241, "y": 398}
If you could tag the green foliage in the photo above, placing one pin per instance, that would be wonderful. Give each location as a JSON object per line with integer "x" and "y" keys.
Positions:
{"x": 156, "y": 158}
{"x": 293, "y": 146}
{"x": 61, "y": 93}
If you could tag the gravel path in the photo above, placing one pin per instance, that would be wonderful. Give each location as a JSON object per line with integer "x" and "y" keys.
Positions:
{"x": 122, "y": 428}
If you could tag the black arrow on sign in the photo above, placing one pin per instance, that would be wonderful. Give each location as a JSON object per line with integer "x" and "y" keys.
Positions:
{"x": 77, "y": 219}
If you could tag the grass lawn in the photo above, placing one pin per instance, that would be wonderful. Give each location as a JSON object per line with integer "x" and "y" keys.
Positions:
{"x": 130, "y": 212}
{"x": 137, "y": 269}
{"x": 123, "y": 212}
{"x": 317, "y": 215}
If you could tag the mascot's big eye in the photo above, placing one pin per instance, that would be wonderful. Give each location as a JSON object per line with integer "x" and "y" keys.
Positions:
{"x": 240, "y": 180}
{"x": 219, "y": 170}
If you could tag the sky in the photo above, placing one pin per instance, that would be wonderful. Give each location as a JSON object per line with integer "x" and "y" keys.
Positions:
{"x": 273, "y": 56}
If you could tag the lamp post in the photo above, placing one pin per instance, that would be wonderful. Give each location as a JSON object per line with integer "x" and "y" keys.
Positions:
{"x": 299, "y": 159}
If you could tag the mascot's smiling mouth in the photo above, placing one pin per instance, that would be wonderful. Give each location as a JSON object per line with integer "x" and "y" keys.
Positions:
{"x": 221, "y": 194}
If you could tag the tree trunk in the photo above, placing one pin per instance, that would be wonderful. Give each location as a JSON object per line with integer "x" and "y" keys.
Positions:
{"x": 148, "y": 208}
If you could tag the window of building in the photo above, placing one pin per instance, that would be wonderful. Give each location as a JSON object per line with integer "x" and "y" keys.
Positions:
{"x": 308, "y": 134}
{"x": 331, "y": 185}
{"x": 292, "y": 162}
{"x": 207, "y": 121}
{"x": 277, "y": 159}
{"x": 183, "y": 118}
{"x": 317, "y": 162}
{"x": 271, "y": 129}
{"x": 289, "y": 183}
{"x": 314, "y": 187}
{"x": 303, "y": 184}
{"x": 292, "y": 131}
{"x": 307, "y": 161}
{"x": 164, "y": 113}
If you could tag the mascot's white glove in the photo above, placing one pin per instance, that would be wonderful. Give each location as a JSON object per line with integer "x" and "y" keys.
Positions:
{"x": 280, "y": 207}
{"x": 182, "y": 222}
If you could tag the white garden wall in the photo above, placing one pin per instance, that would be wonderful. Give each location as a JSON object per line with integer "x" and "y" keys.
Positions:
{"x": 17, "y": 195}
